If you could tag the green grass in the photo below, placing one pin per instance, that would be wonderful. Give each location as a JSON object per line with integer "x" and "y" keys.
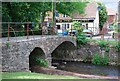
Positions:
{"x": 18, "y": 76}
{"x": 111, "y": 42}
{"x": 28, "y": 75}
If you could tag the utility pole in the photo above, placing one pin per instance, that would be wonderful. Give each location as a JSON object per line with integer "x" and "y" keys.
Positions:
{"x": 53, "y": 16}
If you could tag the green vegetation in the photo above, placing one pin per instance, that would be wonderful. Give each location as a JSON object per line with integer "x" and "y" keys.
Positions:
{"x": 36, "y": 11}
{"x": 28, "y": 75}
{"x": 102, "y": 15}
{"x": 81, "y": 38}
{"x": 77, "y": 26}
{"x": 42, "y": 62}
{"x": 100, "y": 60}
{"x": 116, "y": 28}
{"x": 118, "y": 46}
{"x": 8, "y": 44}
{"x": 104, "y": 45}
{"x": 109, "y": 42}
{"x": 107, "y": 49}
{"x": 96, "y": 59}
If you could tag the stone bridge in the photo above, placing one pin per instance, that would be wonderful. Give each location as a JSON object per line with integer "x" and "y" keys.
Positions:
{"x": 16, "y": 52}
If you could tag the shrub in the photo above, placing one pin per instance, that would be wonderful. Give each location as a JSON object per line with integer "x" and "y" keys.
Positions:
{"x": 100, "y": 60}
{"x": 105, "y": 60}
{"x": 118, "y": 47}
{"x": 8, "y": 44}
{"x": 77, "y": 26}
{"x": 96, "y": 59}
{"x": 81, "y": 40}
{"x": 42, "y": 62}
{"x": 103, "y": 44}
{"x": 107, "y": 49}
{"x": 116, "y": 28}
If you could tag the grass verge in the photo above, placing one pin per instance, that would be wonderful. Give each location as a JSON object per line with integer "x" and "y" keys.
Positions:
{"x": 28, "y": 76}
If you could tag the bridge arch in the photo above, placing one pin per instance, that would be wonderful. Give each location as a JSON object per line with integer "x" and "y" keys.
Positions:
{"x": 36, "y": 53}
{"x": 64, "y": 51}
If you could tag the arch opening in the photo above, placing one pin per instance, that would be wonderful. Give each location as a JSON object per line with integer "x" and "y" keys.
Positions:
{"x": 37, "y": 53}
{"x": 64, "y": 52}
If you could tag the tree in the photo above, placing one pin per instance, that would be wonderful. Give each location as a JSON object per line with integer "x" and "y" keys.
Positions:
{"x": 77, "y": 26}
{"x": 21, "y": 11}
{"x": 70, "y": 7}
{"x": 33, "y": 11}
{"x": 102, "y": 15}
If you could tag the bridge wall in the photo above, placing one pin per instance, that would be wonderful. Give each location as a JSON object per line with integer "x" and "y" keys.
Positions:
{"x": 15, "y": 55}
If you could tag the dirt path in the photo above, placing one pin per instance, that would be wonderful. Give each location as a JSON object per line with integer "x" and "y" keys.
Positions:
{"x": 60, "y": 72}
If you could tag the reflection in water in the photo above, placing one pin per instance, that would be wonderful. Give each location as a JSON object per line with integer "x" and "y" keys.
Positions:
{"x": 86, "y": 68}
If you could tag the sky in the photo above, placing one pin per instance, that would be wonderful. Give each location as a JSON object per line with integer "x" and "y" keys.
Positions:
{"x": 111, "y": 3}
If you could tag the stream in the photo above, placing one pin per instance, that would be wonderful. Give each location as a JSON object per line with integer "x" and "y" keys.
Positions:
{"x": 86, "y": 68}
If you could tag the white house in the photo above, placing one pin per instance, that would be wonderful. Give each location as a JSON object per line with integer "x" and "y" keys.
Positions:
{"x": 89, "y": 20}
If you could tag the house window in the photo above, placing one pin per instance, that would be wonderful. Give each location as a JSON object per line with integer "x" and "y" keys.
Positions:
{"x": 64, "y": 26}
{"x": 86, "y": 26}
{"x": 58, "y": 26}
{"x": 64, "y": 15}
{"x": 67, "y": 25}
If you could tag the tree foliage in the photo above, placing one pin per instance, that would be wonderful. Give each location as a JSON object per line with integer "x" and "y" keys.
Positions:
{"x": 70, "y": 7}
{"x": 23, "y": 11}
{"x": 36, "y": 11}
{"x": 102, "y": 15}
{"x": 77, "y": 26}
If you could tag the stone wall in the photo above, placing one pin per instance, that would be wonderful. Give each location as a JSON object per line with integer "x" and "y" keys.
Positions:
{"x": 86, "y": 52}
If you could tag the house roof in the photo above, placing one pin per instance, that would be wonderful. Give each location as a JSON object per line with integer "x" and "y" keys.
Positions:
{"x": 111, "y": 15}
{"x": 90, "y": 11}
{"x": 111, "y": 11}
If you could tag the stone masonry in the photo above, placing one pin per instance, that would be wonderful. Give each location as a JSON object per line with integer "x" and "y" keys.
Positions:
{"x": 15, "y": 53}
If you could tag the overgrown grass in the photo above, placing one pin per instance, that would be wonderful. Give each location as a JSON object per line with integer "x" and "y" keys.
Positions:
{"x": 111, "y": 42}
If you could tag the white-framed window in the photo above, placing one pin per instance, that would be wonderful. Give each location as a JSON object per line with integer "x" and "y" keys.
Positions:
{"x": 68, "y": 26}
{"x": 64, "y": 15}
{"x": 65, "y": 26}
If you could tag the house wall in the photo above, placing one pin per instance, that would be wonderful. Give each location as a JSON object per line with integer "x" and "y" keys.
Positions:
{"x": 61, "y": 25}
{"x": 94, "y": 26}
{"x": 96, "y": 23}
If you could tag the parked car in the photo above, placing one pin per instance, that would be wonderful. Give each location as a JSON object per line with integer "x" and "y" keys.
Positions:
{"x": 72, "y": 32}
{"x": 87, "y": 32}
{"x": 61, "y": 32}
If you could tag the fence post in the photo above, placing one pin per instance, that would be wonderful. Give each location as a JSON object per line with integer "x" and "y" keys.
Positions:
{"x": 8, "y": 31}
{"x": 27, "y": 30}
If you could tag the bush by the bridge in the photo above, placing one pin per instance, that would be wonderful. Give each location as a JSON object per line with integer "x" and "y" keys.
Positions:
{"x": 100, "y": 60}
{"x": 42, "y": 62}
{"x": 81, "y": 40}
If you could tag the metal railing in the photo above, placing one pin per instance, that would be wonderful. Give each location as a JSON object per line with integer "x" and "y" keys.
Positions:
{"x": 14, "y": 29}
